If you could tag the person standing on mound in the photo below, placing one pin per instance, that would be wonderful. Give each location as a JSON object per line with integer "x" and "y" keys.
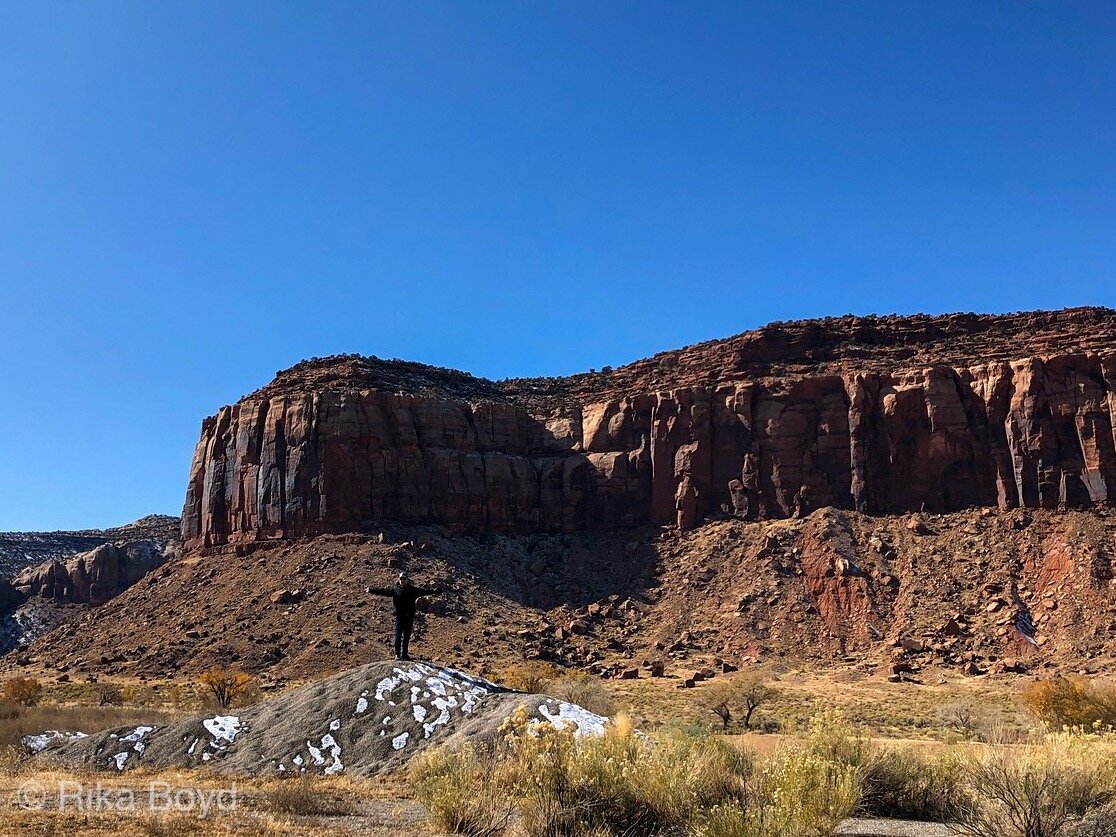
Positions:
{"x": 403, "y": 596}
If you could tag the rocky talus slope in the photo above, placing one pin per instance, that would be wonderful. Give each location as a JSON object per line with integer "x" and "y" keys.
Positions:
{"x": 879, "y": 415}
{"x": 58, "y": 569}
{"x": 974, "y": 592}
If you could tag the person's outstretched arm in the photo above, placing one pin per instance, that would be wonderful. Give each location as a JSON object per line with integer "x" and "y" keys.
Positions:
{"x": 379, "y": 591}
{"x": 422, "y": 591}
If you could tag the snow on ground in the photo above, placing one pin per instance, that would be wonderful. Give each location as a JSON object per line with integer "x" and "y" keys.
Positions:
{"x": 135, "y": 738}
{"x": 222, "y": 728}
{"x": 413, "y": 704}
{"x": 35, "y": 744}
{"x": 583, "y": 721}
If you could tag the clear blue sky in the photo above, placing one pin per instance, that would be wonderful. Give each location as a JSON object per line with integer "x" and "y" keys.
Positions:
{"x": 194, "y": 195}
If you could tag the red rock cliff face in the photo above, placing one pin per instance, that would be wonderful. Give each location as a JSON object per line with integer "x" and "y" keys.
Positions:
{"x": 879, "y": 415}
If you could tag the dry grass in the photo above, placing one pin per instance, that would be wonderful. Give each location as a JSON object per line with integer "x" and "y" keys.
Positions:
{"x": 338, "y": 806}
{"x": 304, "y": 796}
{"x": 17, "y": 721}
{"x": 890, "y": 710}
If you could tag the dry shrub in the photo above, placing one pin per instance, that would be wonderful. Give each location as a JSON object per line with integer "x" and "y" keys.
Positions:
{"x": 531, "y": 676}
{"x": 904, "y": 784}
{"x": 1072, "y": 702}
{"x": 460, "y": 789}
{"x": 13, "y": 759}
{"x": 1038, "y": 791}
{"x": 894, "y": 782}
{"x": 109, "y": 694}
{"x": 676, "y": 781}
{"x": 303, "y": 796}
{"x": 227, "y": 686}
{"x": 1101, "y": 822}
{"x": 171, "y": 825}
{"x": 797, "y": 794}
{"x": 587, "y": 692}
{"x": 26, "y": 691}
{"x": 967, "y": 719}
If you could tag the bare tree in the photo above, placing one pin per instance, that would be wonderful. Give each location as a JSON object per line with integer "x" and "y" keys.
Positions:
{"x": 738, "y": 698}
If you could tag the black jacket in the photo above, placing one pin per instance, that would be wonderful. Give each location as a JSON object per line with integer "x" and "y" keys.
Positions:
{"x": 403, "y": 597}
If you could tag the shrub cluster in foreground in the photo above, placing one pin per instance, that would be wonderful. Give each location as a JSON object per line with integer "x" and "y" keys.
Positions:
{"x": 538, "y": 781}
{"x": 674, "y": 781}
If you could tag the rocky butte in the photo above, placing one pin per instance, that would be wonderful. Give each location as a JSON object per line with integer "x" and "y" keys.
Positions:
{"x": 881, "y": 415}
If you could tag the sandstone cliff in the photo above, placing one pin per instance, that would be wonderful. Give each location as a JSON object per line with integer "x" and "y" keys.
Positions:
{"x": 91, "y": 577}
{"x": 879, "y": 415}
{"x": 19, "y": 550}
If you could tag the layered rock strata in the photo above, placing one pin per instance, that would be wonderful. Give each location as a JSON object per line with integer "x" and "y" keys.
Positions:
{"x": 91, "y": 577}
{"x": 877, "y": 415}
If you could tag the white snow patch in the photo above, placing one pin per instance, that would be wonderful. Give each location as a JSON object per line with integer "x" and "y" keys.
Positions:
{"x": 582, "y": 720}
{"x": 400, "y": 741}
{"x": 135, "y": 738}
{"x": 222, "y": 728}
{"x": 137, "y": 734}
{"x": 35, "y": 744}
{"x": 445, "y": 705}
{"x": 120, "y": 759}
{"x": 193, "y": 747}
{"x": 334, "y": 752}
{"x": 386, "y": 685}
{"x": 315, "y": 754}
{"x": 335, "y": 725}
{"x": 362, "y": 705}
{"x": 297, "y": 760}
{"x": 420, "y": 712}
{"x": 471, "y": 699}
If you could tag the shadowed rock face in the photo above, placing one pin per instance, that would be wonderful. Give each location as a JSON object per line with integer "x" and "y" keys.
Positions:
{"x": 91, "y": 577}
{"x": 882, "y": 415}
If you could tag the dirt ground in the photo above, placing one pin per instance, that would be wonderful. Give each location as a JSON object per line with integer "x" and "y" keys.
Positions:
{"x": 176, "y": 803}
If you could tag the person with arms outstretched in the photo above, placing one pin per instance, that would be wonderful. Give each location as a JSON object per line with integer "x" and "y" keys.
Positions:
{"x": 403, "y": 596}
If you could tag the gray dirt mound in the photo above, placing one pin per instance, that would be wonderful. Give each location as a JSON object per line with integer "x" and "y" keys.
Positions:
{"x": 364, "y": 721}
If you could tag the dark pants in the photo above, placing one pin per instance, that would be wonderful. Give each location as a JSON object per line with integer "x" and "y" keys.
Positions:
{"x": 404, "y": 624}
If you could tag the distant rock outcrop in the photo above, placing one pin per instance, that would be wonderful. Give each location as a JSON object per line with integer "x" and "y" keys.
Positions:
{"x": 19, "y": 550}
{"x": 91, "y": 577}
{"x": 10, "y": 598}
{"x": 880, "y": 415}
